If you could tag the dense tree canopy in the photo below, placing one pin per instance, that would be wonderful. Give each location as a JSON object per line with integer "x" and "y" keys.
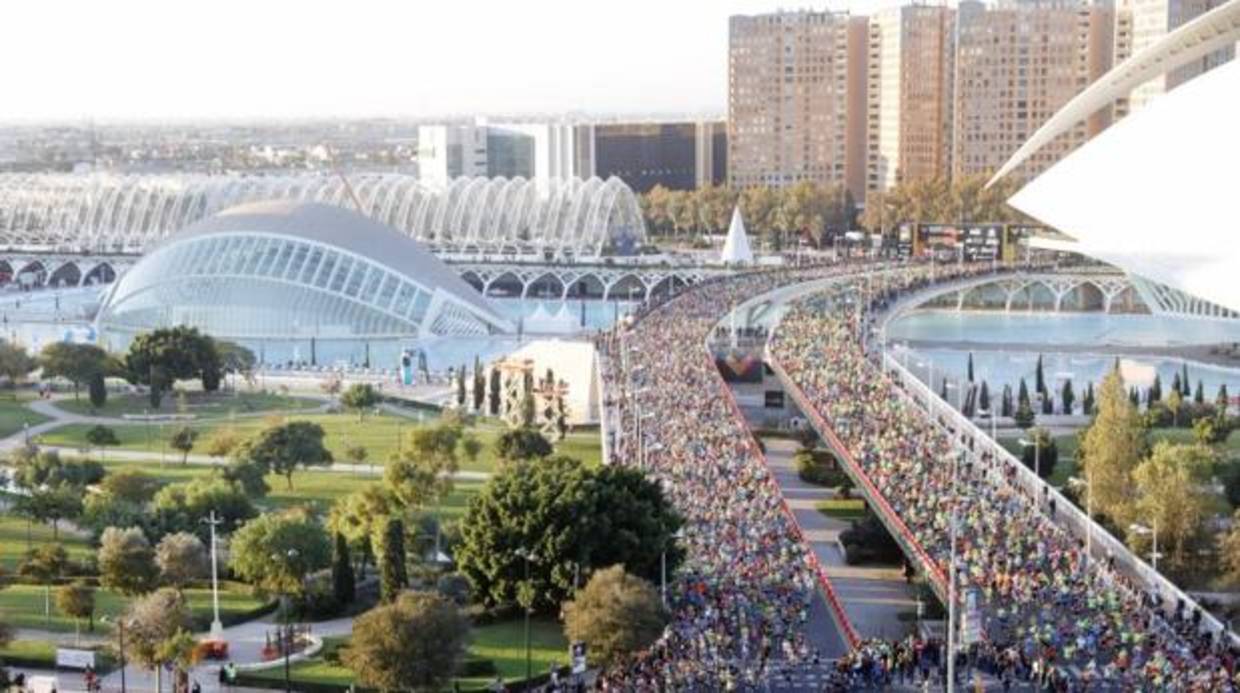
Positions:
{"x": 570, "y": 519}
{"x": 126, "y": 561}
{"x": 160, "y": 358}
{"x": 414, "y": 644}
{"x": 77, "y": 363}
{"x": 1112, "y": 447}
{"x": 182, "y": 506}
{"x": 282, "y": 449}
{"x": 616, "y": 613}
{"x": 277, "y": 551}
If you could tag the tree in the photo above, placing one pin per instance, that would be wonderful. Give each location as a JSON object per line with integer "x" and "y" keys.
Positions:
{"x": 276, "y": 551}
{"x": 390, "y": 550}
{"x": 281, "y": 449}
{"x": 1087, "y": 402}
{"x": 1024, "y": 416}
{"x": 182, "y": 506}
{"x": 359, "y": 397}
{"x": 413, "y": 644}
{"x": 1043, "y": 455}
{"x": 571, "y": 519}
{"x": 248, "y": 476}
{"x": 344, "y": 582}
{"x": 152, "y": 623}
{"x": 77, "y": 363}
{"x": 1067, "y": 397}
{"x": 183, "y": 440}
{"x": 1112, "y": 447}
{"x": 77, "y": 601}
{"x": 15, "y": 363}
{"x": 471, "y": 447}
{"x": 126, "y": 561}
{"x": 51, "y": 505}
{"x": 479, "y": 385}
{"x": 1172, "y": 489}
{"x": 1185, "y": 383}
{"x": 1005, "y": 406}
{"x": 131, "y": 485}
{"x": 494, "y": 392}
{"x": 1039, "y": 378}
{"x": 969, "y": 368}
{"x": 1199, "y": 395}
{"x": 100, "y": 436}
{"x": 234, "y": 358}
{"x": 181, "y": 558}
{"x": 359, "y": 516}
{"x": 1207, "y": 432}
{"x": 98, "y": 391}
{"x": 617, "y": 613}
{"x": 1155, "y": 391}
{"x": 984, "y": 398}
{"x": 1222, "y": 400}
{"x": 422, "y": 471}
{"x": 103, "y": 510}
{"x": 1175, "y": 402}
{"x": 460, "y": 387}
{"x": 44, "y": 565}
{"x": 521, "y": 444}
{"x": 161, "y": 357}
{"x": 1229, "y": 549}
{"x": 224, "y": 442}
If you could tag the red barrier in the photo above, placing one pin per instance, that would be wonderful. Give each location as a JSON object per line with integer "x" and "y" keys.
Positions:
{"x": 833, "y": 600}
{"x": 820, "y": 424}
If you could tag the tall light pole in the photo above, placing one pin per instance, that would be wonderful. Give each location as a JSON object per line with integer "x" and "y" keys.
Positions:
{"x": 120, "y": 634}
{"x": 951, "y": 589}
{"x": 287, "y": 644}
{"x": 217, "y": 628}
{"x": 1143, "y": 530}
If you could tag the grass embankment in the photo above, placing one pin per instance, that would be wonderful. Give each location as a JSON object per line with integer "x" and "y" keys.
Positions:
{"x": 197, "y": 404}
{"x": 15, "y": 415}
{"x": 21, "y": 606}
{"x": 381, "y": 435}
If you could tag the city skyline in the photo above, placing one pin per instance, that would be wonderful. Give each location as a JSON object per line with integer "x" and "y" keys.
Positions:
{"x": 139, "y": 60}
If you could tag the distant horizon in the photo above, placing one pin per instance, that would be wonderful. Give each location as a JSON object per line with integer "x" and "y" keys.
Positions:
{"x": 144, "y": 61}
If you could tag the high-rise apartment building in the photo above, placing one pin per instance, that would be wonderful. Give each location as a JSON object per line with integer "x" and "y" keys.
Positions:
{"x": 911, "y": 56}
{"x": 796, "y": 99}
{"x": 1139, "y": 23}
{"x": 1017, "y": 62}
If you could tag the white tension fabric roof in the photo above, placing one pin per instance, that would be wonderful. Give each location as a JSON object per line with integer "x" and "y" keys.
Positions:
{"x": 1155, "y": 193}
{"x": 110, "y": 213}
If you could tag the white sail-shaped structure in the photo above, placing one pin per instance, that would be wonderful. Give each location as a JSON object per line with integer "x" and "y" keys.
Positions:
{"x": 736, "y": 249}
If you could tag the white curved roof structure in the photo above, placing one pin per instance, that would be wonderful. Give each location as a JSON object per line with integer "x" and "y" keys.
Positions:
{"x": 584, "y": 218}
{"x": 1193, "y": 40}
{"x": 1155, "y": 193}
{"x": 287, "y": 270}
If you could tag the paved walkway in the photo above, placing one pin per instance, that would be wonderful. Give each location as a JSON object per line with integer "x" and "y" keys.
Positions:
{"x": 873, "y": 596}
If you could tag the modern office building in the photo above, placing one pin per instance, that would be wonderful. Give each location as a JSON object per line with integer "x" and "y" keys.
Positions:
{"x": 911, "y": 56}
{"x": 451, "y": 151}
{"x": 1017, "y": 63}
{"x": 676, "y": 155}
{"x": 293, "y": 270}
{"x": 1141, "y": 23}
{"x": 796, "y": 99}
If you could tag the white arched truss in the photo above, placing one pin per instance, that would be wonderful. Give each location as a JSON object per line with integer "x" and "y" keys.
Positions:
{"x": 130, "y": 214}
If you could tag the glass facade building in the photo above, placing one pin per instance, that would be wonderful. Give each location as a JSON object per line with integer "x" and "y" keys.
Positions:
{"x": 285, "y": 270}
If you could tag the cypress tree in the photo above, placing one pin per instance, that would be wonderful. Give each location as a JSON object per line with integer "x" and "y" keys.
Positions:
{"x": 1222, "y": 400}
{"x": 460, "y": 387}
{"x": 1176, "y": 385}
{"x": 1155, "y": 392}
{"x": 1087, "y": 402}
{"x": 1022, "y": 397}
{"x": 494, "y": 403}
{"x": 480, "y": 385}
{"x": 1067, "y": 397}
{"x": 98, "y": 391}
{"x": 1186, "y": 384}
{"x": 344, "y": 584}
{"x": 1199, "y": 396}
{"x": 970, "y": 368}
{"x": 1039, "y": 382}
{"x": 984, "y": 397}
{"x": 391, "y": 557}
{"x": 1005, "y": 404}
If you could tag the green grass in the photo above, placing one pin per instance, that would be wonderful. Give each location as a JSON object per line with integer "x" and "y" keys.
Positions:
{"x": 380, "y": 434}
{"x": 13, "y": 541}
{"x": 842, "y": 509}
{"x": 502, "y": 643}
{"x": 21, "y": 606}
{"x": 199, "y": 404}
{"x": 14, "y": 415}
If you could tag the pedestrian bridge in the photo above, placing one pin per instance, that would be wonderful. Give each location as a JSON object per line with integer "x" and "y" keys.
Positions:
{"x": 619, "y": 278}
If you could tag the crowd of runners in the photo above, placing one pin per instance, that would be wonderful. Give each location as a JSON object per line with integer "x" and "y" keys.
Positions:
{"x": 1049, "y": 614}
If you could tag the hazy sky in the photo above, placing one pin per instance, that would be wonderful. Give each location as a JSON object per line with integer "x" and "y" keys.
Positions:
{"x": 282, "y": 58}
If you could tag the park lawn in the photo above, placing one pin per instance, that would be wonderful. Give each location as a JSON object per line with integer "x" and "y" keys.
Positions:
{"x": 199, "y": 404}
{"x": 379, "y": 433}
{"x": 21, "y": 606}
{"x": 502, "y": 643}
{"x": 842, "y": 508}
{"x": 15, "y": 415}
{"x": 13, "y": 541}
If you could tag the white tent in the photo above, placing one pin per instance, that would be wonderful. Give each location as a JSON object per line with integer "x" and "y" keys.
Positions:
{"x": 736, "y": 248}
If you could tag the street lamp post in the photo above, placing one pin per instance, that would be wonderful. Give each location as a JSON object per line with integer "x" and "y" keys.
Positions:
{"x": 1089, "y": 513}
{"x": 287, "y": 644}
{"x": 120, "y": 634}
{"x": 217, "y": 627}
{"x": 1153, "y": 532}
